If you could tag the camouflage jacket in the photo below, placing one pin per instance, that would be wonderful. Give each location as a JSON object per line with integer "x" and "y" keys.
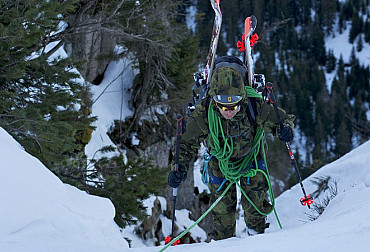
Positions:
{"x": 239, "y": 128}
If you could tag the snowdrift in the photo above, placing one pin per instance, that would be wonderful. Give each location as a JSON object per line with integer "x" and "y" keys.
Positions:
{"x": 40, "y": 213}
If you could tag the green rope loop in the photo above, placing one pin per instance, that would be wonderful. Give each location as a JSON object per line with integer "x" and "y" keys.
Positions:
{"x": 231, "y": 170}
{"x": 252, "y": 93}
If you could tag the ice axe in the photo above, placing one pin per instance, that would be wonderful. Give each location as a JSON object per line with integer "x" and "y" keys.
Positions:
{"x": 306, "y": 200}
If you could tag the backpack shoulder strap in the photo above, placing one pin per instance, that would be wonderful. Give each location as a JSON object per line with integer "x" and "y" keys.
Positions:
{"x": 252, "y": 110}
{"x": 200, "y": 114}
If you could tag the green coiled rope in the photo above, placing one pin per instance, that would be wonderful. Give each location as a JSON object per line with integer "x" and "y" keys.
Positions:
{"x": 233, "y": 171}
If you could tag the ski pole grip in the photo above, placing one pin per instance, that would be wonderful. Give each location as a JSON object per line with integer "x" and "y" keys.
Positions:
{"x": 180, "y": 125}
{"x": 269, "y": 87}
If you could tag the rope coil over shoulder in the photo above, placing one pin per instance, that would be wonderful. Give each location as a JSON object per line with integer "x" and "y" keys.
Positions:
{"x": 232, "y": 170}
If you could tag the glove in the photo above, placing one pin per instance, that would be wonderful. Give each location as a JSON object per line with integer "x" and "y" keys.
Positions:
{"x": 286, "y": 134}
{"x": 175, "y": 178}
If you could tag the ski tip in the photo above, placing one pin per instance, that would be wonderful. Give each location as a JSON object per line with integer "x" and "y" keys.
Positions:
{"x": 216, "y": 5}
{"x": 250, "y": 24}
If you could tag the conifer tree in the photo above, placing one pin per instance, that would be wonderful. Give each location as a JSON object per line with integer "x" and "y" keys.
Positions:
{"x": 40, "y": 99}
{"x": 359, "y": 44}
{"x": 343, "y": 139}
{"x": 126, "y": 184}
{"x": 326, "y": 11}
{"x": 356, "y": 27}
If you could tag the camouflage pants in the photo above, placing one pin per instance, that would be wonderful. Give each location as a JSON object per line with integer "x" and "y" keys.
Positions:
{"x": 224, "y": 213}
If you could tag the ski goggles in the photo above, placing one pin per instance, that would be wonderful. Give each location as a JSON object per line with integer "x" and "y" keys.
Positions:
{"x": 227, "y": 108}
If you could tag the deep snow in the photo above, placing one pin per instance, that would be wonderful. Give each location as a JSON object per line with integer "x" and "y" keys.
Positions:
{"x": 40, "y": 213}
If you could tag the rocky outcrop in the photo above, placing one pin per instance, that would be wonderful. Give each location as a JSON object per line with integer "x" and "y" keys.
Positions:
{"x": 150, "y": 229}
{"x": 91, "y": 45}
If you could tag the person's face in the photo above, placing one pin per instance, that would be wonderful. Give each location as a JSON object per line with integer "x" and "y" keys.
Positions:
{"x": 228, "y": 112}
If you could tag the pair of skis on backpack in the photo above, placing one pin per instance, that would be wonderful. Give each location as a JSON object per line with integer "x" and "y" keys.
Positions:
{"x": 249, "y": 39}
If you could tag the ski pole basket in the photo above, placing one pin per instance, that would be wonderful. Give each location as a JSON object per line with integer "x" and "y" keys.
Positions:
{"x": 168, "y": 240}
{"x": 307, "y": 200}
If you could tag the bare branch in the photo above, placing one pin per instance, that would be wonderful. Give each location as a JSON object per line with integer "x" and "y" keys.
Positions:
{"x": 362, "y": 126}
{"x": 114, "y": 12}
{"x": 274, "y": 26}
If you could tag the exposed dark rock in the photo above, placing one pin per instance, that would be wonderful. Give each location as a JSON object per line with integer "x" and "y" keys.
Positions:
{"x": 91, "y": 45}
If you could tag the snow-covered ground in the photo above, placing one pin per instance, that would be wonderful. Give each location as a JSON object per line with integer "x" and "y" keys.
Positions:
{"x": 40, "y": 213}
{"x": 343, "y": 226}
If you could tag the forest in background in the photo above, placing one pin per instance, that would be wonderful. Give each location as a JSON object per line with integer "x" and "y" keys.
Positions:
{"x": 45, "y": 108}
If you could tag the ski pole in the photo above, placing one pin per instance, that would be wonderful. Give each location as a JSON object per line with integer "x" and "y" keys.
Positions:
{"x": 174, "y": 194}
{"x": 169, "y": 238}
{"x": 307, "y": 200}
{"x": 179, "y": 130}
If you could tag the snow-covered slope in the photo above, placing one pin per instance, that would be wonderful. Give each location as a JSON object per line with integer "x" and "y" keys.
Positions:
{"x": 110, "y": 103}
{"x": 40, "y": 213}
{"x": 343, "y": 226}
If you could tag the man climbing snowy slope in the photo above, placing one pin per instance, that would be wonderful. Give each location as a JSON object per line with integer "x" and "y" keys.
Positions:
{"x": 231, "y": 121}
